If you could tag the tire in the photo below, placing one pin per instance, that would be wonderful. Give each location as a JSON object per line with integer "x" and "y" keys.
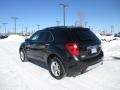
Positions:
{"x": 23, "y": 56}
{"x": 56, "y": 68}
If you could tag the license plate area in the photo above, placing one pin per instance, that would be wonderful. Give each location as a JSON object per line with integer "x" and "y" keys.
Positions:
{"x": 93, "y": 50}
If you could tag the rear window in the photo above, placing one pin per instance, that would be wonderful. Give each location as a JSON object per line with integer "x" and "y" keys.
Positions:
{"x": 84, "y": 35}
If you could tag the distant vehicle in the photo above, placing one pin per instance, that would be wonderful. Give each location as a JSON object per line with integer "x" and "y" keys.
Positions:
{"x": 67, "y": 51}
{"x": 3, "y": 36}
{"x": 117, "y": 35}
{"x": 25, "y": 34}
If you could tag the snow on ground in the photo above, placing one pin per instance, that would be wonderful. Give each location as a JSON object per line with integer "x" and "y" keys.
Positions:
{"x": 16, "y": 75}
{"x": 14, "y": 38}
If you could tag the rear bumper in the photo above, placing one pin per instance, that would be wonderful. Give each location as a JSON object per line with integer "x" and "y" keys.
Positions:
{"x": 78, "y": 67}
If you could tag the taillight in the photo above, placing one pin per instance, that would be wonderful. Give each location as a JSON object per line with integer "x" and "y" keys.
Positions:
{"x": 73, "y": 49}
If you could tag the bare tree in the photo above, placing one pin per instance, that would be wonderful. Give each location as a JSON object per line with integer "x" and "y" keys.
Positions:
{"x": 58, "y": 23}
{"x": 85, "y": 24}
{"x": 81, "y": 17}
{"x": 76, "y": 23}
{"x": 112, "y": 29}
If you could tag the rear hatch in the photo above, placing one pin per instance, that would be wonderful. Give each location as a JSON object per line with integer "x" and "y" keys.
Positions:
{"x": 89, "y": 44}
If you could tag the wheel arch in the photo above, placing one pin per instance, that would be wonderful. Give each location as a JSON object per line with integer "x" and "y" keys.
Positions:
{"x": 60, "y": 60}
{"x": 55, "y": 55}
{"x": 22, "y": 47}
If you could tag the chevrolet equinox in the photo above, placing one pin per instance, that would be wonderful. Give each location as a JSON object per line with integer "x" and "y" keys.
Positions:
{"x": 67, "y": 51}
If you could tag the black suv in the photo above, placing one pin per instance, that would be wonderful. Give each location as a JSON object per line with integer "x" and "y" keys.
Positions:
{"x": 65, "y": 50}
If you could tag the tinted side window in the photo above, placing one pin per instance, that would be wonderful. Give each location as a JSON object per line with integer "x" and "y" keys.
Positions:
{"x": 62, "y": 36}
{"x": 45, "y": 37}
{"x": 35, "y": 36}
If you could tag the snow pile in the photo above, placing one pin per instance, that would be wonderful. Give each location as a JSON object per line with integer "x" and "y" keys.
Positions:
{"x": 14, "y": 38}
{"x": 106, "y": 38}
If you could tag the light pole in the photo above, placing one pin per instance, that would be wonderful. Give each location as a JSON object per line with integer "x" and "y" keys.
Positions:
{"x": 4, "y": 24}
{"x": 64, "y": 12}
{"x": 58, "y": 23}
{"x": 14, "y": 18}
{"x": 38, "y": 27}
{"x": 112, "y": 28}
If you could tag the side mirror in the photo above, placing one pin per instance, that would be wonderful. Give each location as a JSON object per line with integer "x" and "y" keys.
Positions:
{"x": 27, "y": 40}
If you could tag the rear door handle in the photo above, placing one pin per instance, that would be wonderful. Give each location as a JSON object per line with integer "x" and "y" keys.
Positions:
{"x": 47, "y": 44}
{"x": 27, "y": 47}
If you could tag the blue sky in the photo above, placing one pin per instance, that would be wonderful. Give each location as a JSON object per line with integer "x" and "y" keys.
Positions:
{"x": 100, "y": 14}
